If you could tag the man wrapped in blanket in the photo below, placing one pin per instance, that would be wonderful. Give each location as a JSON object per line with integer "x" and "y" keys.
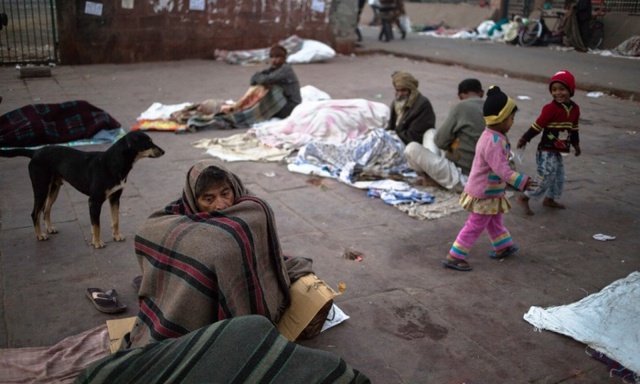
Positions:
{"x": 214, "y": 282}
{"x": 211, "y": 255}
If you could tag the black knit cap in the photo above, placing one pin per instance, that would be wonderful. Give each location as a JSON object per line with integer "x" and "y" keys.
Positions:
{"x": 498, "y": 106}
{"x": 469, "y": 85}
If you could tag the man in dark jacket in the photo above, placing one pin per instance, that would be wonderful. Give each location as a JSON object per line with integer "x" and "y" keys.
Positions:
{"x": 411, "y": 112}
{"x": 282, "y": 75}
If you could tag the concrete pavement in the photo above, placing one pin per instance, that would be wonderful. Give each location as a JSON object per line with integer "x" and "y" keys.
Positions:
{"x": 613, "y": 75}
{"x": 411, "y": 321}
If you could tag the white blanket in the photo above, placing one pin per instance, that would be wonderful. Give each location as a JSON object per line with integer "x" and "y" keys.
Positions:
{"x": 325, "y": 121}
{"x": 606, "y": 321}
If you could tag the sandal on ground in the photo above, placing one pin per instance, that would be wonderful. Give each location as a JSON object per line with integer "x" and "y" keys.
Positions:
{"x": 505, "y": 253}
{"x": 552, "y": 204}
{"x": 106, "y": 302}
{"x": 457, "y": 264}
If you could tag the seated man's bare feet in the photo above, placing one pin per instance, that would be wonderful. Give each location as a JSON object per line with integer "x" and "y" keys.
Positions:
{"x": 547, "y": 202}
{"x": 523, "y": 201}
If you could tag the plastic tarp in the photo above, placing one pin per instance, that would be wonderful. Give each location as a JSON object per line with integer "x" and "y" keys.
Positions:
{"x": 606, "y": 321}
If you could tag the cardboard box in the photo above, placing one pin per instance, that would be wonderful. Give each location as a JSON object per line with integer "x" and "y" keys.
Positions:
{"x": 308, "y": 295}
{"x": 117, "y": 329}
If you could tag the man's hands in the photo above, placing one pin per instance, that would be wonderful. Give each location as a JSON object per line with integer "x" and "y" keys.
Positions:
{"x": 576, "y": 147}
{"x": 521, "y": 143}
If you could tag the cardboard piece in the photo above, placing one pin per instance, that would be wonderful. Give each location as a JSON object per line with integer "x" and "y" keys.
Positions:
{"x": 308, "y": 295}
{"x": 117, "y": 329}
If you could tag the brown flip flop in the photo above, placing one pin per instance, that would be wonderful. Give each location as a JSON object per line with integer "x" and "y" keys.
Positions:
{"x": 106, "y": 302}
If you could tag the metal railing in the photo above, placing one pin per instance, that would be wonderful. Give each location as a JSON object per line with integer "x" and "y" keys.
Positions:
{"x": 28, "y": 32}
{"x": 631, "y": 6}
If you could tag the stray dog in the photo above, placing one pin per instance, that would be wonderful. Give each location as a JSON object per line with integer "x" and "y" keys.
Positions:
{"x": 99, "y": 175}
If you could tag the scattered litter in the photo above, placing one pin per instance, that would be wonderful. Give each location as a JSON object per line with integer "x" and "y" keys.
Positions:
{"x": 353, "y": 255}
{"x": 342, "y": 287}
{"x": 631, "y": 132}
{"x": 595, "y": 95}
{"x": 335, "y": 317}
{"x": 523, "y": 97}
{"x": 270, "y": 174}
{"x": 603, "y": 237}
{"x": 315, "y": 181}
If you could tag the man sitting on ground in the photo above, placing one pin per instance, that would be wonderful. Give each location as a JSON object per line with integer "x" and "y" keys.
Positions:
{"x": 411, "y": 112}
{"x": 280, "y": 75}
{"x": 447, "y": 153}
{"x": 274, "y": 92}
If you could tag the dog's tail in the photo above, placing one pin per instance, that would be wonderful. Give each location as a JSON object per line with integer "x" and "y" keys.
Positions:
{"x": 17, "y": 152}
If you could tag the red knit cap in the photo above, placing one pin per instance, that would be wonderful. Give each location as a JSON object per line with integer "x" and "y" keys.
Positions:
{"x": 565, "y": 78}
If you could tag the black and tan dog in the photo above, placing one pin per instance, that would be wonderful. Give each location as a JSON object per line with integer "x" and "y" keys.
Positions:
{"x": 100, "y": 175}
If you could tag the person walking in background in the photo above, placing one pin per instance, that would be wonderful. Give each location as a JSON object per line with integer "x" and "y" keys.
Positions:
{"x": 411, "y": 112}
{"x": 558, "y": 123}
{"x": 446, "y": 153}
{"x": 361, "y": 4}
{"x": 399, "y": 14}
{"x": 387, "y": 9}
{"x": 375, "y": 8}
{"x": 583, "y": 12}
{"x": 484, "y": 194}
{"x": 390, "y": 13}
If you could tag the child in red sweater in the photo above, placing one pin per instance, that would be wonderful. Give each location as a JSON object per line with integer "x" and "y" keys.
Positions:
{"x": 558, "y": 123}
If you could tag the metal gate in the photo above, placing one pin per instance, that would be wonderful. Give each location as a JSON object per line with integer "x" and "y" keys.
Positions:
{"x": 28, "y": 32}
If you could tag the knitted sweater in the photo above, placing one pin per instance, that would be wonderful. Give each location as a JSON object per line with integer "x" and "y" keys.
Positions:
{"x": 466, "y": 122}
{"x": 490, "y": 171}
{"x": 559, "y": 126}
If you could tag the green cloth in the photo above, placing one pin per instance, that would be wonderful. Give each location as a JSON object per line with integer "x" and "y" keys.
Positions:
{"x": 272, "y": 102}
{"x": 246, "y": 349}
{"x": 465, "y": 121}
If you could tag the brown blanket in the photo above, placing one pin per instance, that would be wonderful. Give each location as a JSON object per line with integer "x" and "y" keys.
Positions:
{"x": 202, "y": 267}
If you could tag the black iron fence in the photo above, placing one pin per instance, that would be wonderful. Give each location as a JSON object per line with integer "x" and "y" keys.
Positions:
{"x": 28, "y": 32}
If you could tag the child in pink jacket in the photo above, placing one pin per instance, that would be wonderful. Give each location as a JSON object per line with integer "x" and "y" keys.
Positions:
{"x": 484, "y": 193}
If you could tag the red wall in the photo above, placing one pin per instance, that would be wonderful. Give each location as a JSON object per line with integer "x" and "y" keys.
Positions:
{"x": 157, "y": 30}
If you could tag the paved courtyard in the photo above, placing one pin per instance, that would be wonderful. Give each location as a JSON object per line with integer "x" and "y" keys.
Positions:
{"x": 411, "y": 320}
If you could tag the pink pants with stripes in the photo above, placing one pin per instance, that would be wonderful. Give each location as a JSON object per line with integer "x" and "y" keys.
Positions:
{"x": 474, "y": 227}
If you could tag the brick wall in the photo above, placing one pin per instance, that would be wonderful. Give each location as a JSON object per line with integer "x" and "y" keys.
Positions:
{"x": 127, "y": 31}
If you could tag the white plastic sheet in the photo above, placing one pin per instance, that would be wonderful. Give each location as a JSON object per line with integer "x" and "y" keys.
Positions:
{"x": 312, "y": 51}
{"x": 607, "y": 321}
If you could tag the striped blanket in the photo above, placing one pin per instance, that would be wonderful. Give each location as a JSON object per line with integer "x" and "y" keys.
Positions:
{"x": 270, "y": 104}
{"x": 41, "y": 124}
{"x": 246, "y": 349}
{"x": 202, "y": 267}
